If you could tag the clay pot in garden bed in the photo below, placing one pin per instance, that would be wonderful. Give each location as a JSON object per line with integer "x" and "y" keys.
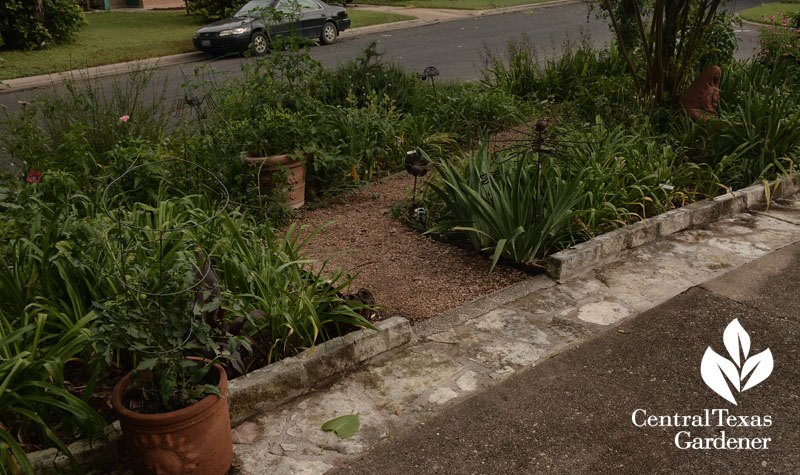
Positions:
{"x": 193, "y": 440}
{"x": 295, "y": 180}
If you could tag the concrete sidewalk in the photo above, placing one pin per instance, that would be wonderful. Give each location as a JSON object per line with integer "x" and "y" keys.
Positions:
{"x": 584, "y": 353}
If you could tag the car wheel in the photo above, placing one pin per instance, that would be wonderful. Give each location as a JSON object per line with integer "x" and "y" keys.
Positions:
{"x": 259, "y": 44}
{"x": 329, "y": 34}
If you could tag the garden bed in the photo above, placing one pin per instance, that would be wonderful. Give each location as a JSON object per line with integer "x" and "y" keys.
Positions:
{"x": 413, "y": 275}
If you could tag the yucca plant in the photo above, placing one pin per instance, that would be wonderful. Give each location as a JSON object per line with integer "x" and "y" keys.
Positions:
{"x": 515, "y": 211}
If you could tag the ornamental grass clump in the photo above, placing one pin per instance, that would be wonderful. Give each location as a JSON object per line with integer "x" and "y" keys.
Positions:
{"x": 506, "y": 205}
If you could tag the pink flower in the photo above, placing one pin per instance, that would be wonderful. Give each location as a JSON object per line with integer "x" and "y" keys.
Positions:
{"x": 771, "y": 17}
{"x": 780, "y": 13}
{"x": 124, "y": 119}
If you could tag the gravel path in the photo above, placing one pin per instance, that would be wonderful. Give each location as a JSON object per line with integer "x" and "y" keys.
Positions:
{"x": 415, "y": 276}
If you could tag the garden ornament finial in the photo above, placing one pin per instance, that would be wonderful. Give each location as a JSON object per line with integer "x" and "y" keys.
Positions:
{"x": 429, "y": 73}
{"x": 700, "y": 101}
{"x": 415, "y": 168}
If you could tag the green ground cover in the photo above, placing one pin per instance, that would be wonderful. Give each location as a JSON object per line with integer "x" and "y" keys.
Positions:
{"x": 456, "y": 4}
{"x": 762, "y": 13}
{"x": 117, "y": 37}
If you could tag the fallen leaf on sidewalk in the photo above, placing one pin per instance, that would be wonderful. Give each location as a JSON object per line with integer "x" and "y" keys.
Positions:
{"x": 622, "y": 331}
{"x": 345, "y": 426}
{"x": 246, "y": 433}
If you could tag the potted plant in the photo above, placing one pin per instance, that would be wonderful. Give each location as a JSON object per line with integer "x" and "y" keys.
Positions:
{"x": 172, "y": 405}
{"x": 273, "y": 150}
{"x": 166, "y": 327}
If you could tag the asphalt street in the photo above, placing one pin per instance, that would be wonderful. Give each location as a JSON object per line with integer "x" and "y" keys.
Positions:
{"x": 456, "y": 47}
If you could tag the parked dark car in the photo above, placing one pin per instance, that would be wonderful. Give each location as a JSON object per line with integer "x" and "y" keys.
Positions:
{"x": 253, "y": 25}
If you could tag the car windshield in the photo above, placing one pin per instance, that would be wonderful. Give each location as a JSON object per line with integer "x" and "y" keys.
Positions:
{"x": 252, "y": 8}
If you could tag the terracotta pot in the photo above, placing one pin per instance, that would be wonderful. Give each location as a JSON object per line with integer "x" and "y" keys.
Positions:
{"x": 295, "y": 176}
{"x": 193, "y": 440}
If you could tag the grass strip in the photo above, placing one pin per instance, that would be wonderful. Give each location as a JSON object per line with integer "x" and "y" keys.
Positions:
{"x": 762, "y": 13}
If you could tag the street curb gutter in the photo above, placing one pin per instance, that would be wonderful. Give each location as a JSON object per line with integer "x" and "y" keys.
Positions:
{"x": 605, "y": 248}
{"x": 262, "y": 389}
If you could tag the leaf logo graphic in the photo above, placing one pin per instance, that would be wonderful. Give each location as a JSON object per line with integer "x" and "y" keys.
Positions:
{"x": 715, "y": 369}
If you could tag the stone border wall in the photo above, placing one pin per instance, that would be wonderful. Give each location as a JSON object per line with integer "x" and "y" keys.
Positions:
{"x": 606, "y": 247}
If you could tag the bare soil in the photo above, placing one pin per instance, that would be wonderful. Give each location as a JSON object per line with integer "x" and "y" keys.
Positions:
{"x": 413, "y": 275}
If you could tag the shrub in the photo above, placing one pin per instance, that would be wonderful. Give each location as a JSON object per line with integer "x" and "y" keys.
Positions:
{"x": 77, "y": 128}
{"x": 213, "y": 10}
{"x": 27, "y": 24}
{"x": 366, "y": 74}
{"x": 719, "y": 43}
{"x": 779, "y": 43}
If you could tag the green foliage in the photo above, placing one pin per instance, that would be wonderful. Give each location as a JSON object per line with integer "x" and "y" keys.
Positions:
{"x": 593, "y": 81}
{"x": 344, "y": 426}
{"x": 513, "y": 210}
{"x": 37, "y": 24}
{"x": 34, "y": 347}
{"x": 629, "y": 175}
{"x": 48, "y": 278}
{"x": 367, "y": 75}
{"x": 268, "y": 281}
{"x": 366, "y": 136}
{"x": 719, "y": 42}
{"x": 78, "y": 129}
{"x": 780, "y": 45}
{"x": 757, "y": 135}
{"x": 213, "y": 10}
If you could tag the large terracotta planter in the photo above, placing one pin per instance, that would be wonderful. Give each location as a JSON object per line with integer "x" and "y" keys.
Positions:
{"x": 295, "y": 176}
{"x": 193, "y": 440}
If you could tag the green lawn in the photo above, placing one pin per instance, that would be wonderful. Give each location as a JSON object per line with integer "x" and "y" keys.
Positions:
{"x": 109, "y": 38}
{"x": 458, "y": 4}
{"x": 116, "y": 37}
{"x": 367, "y": 18}
{"x": 762, "y": 13}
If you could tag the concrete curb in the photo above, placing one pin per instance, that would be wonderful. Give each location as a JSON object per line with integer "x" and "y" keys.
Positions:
{"x": 264, "y": 388}
{"x": 31, "y": 82}
{"x": 606, "y": 247}
{"x": 273, "y": 385}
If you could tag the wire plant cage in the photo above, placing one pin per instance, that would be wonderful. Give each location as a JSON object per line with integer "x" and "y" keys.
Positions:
{"x": 164, "y": 213}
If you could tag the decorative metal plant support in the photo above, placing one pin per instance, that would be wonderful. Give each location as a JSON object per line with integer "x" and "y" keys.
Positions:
{"x": 191, "y": 99}
{"x": 538, "y": 142}
{"x": 120, "y": 201}
{"x": 429, "y": 73}
{"x": 415, "y": 168}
